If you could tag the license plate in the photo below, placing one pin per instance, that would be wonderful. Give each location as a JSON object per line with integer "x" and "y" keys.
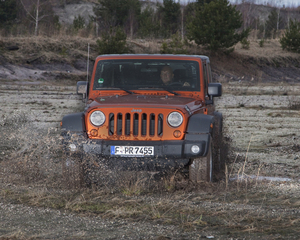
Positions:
{"x": 132, "y": 151}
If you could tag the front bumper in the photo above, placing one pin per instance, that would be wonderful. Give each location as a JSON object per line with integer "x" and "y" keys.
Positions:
{"x": 176, "y": 149}
{"x": 167, "y": 154}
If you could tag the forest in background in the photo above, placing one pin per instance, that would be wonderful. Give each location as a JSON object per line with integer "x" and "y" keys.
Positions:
{"x": 139, "y": 19}
{"x": 212, "y": 24}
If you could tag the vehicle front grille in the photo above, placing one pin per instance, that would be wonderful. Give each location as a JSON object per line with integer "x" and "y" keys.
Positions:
{"x": 135, "y": 124}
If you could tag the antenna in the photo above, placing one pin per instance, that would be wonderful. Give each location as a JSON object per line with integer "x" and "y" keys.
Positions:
{"x": 87, "y": 64}
{"x": 85, "y": 96}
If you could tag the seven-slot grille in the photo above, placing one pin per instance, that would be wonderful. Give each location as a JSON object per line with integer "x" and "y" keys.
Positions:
{"x": 136, "y": 124}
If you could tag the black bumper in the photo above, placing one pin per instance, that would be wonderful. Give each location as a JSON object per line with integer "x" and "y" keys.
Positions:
{"x": 162, "y": 149}
{"x": 177, "y": 149}
{"x": 167, "y": 154}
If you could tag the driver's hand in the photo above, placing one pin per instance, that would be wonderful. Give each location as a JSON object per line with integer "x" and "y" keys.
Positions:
{"x": 186, "y": 84}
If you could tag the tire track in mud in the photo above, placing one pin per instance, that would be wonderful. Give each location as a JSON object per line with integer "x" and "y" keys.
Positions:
{"x": 44, "y": 103}
{"x": 263, "y": 124}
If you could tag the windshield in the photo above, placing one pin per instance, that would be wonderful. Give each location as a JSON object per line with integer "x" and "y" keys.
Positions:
{"x": 135, "y": 74}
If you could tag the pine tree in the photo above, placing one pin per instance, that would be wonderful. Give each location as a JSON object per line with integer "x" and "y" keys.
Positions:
{"x": 291, "y": 39}
{"x": 8, "y": 11}
{"x": 202, "y": 2}
{"x": 78, "y": 22}
{"x": 113, "y": 42}
{"x": 113, "y": 13}
{"x": 149, "y": 24}
{"x": 171, "y": 16}
{"x": 215, "y": 25}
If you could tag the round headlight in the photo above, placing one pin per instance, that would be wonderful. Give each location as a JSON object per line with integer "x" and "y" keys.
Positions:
{"x": 97, "y": 118}
{"x": 175, "y": 119}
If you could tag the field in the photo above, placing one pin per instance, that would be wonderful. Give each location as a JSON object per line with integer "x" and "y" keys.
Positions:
{"x": 258, "y": 198}
{"x": 261, "y": 127}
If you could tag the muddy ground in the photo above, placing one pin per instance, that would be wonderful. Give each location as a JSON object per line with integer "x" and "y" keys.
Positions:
{"x": 261, "y": 125}
{"x": 258, "y": 197}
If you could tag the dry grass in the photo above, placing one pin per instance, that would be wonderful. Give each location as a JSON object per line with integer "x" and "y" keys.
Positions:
{"x": 17, "y": 235}
{"x": 48, "y": 50}
{"x": 32, "y": 155}
{"x": 239, "y": 207}
{"x": 70, "y": 47}
{"x": 271, "y": 49}
{"x": 237, "y": 213}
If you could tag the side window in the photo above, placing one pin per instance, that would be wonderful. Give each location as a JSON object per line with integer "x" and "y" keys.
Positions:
{"x": 205, "y": 76}
{"x": 210, "y": 80}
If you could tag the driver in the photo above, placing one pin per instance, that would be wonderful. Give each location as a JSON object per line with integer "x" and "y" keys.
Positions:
{"x": 167, "y": 75}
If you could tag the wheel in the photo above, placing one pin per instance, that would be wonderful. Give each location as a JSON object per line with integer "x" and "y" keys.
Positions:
{"x": 201, "y": 169}
{"x": 72, "y": 172}
{"x": 219, "y": 148}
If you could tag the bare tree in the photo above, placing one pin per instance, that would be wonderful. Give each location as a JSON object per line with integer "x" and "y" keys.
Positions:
{"x": 35, "y": 17}
{"x": 182, "y": 12}
{"x": 278, "y": 16}
{"x": 132, "y": 21}
{"x": 245, "y": 9}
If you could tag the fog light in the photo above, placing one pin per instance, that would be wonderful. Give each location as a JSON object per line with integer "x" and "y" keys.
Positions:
{"x": 177, "y": 134}
{"x": 94, "y": 132}
{"x": 195, "y": 149}
{"x": 72, "y": 147}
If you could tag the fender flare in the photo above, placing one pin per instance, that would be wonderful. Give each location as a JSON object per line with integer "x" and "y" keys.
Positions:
{"x": 73, "y": 123}
{"x": 200, "y": 124}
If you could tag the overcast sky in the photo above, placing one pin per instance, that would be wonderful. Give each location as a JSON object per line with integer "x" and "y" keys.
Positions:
{"x": 279, "y": 3}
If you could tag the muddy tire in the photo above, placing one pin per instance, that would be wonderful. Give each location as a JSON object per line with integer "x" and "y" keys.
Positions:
{"x": 72, "y": 172}
{"x": 219, "y": 149}
{"x": 201, "y": 169}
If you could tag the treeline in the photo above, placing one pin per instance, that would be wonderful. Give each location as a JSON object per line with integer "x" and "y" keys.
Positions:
{"x": 214, "y": 24}
{"x": 267, "y": 21}
{"x": 27, "y": 17}
{"x": 135, "y": 17}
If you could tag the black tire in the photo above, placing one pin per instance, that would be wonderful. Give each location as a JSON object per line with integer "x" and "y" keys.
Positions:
{"x": 219, "y": 153}
{"x": 201, "y": 169}
{"x": 72, "y": 172}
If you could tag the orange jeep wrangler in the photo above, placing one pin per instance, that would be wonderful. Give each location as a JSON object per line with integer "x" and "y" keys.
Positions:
{"x": 147, "y": 112}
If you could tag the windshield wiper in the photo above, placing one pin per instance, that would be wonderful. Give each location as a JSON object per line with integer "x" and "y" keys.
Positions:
{"x": 128, "y": 91}
{"x": 170, "y": 91}
{"x": 110, "y": 88}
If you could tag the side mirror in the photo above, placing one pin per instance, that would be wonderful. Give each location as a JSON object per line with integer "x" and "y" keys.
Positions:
{"x": 82, "y": 88}
{"x": 215, "y": 89}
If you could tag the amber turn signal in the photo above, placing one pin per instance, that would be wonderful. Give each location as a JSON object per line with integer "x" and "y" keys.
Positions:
{"x": 94, "y": 133}
{"x": 177, "y": 134}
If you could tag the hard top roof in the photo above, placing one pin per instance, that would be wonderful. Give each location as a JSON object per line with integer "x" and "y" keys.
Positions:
{"x": 154, "y": 56}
